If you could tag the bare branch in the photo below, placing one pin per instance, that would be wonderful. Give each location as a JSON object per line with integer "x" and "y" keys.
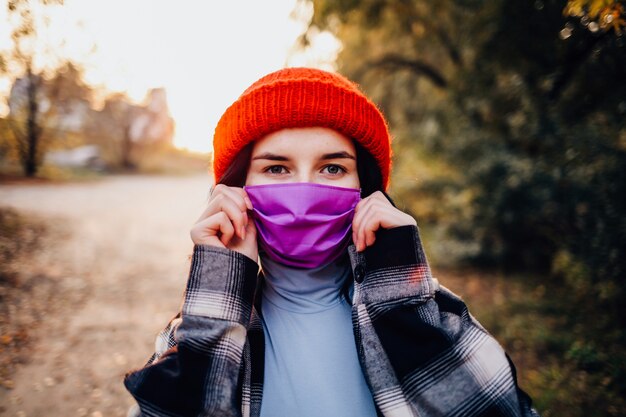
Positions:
{"x": 395, "y": 62}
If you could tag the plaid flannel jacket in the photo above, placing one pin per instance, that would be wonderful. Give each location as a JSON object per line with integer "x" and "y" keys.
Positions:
{"x": 421, "y": 351}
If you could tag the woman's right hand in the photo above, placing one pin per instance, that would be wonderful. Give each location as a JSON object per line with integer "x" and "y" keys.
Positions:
{"x": 225, "y": 222}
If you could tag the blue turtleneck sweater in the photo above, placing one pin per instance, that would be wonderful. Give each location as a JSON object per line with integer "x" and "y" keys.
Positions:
{"x": 311, "y": 362}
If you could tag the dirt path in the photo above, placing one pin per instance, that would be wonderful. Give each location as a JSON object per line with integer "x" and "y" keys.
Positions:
{"x": 121, "y": 268}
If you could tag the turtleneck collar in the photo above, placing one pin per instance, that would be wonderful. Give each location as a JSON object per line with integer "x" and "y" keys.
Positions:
{"x": 305, "y": 290}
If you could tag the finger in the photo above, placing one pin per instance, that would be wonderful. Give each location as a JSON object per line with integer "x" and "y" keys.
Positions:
{"x": 369, "y": 225}
{"x": 237, "y": 217}
{"x": 359, "y": 212}
{"x": 201, "y": 234}
{"x": 248, "y": 246}
{"x": 223, "y": 201}
{"x": 360, "y": 229}
{"x": 239, "y": 195}
{"x": 250, "y": 239}
{"x": 212, "y": 207}
{"x": 369, "y": 222}
{"x": 242, "y": 193}
{"x": 236, "y": 194}
{"x": 391, "y": 217}
{"x": 212, "y": 230}
{"x": 216, "y": 227}
{"x": 225, "y": 227}
{"x": 378, "y": 195}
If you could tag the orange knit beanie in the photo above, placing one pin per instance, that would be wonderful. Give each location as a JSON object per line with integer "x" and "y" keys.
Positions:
{"x": 301, "y": 97}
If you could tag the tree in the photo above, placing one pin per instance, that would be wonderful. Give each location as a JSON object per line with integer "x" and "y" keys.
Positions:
{"x": 56, "y": 110}
{"x": 25, "y": 120}
{"x": 598, "y": 15}
{"x": 493, "y": 90}
{"x": 512, "y": 117}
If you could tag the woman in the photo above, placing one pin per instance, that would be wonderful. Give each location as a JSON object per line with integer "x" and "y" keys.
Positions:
{"x": 344, "y": 317}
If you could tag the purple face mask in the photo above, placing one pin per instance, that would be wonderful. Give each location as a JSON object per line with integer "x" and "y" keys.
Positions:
{"x": 305, "y": 225}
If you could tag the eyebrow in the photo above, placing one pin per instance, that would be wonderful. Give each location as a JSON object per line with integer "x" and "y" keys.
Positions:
{"x": 334, "y": 155}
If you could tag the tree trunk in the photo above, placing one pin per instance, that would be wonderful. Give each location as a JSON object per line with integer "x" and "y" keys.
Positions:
{"x": 127, "y": 147}
{"x": 30, "y": 160}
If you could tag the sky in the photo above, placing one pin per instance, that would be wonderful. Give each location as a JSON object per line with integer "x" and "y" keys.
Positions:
{"x": 204, "y": 53}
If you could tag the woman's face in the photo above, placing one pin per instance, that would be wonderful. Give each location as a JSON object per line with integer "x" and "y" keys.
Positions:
{"x": 311, "y": 154}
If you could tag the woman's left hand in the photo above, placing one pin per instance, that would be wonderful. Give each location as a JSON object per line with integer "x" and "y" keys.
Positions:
{"x": 372, "y": 213}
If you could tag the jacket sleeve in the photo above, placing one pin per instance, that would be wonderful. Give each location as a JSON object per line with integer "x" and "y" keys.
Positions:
{"x": 196, "y": 367}
{"x": 422, "y": 351}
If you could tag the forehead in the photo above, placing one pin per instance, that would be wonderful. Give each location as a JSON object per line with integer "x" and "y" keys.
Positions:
{"x": 303, "y": 141}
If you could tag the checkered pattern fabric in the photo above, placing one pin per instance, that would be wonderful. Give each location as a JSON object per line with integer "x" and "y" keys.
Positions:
{"x": 421, "y": 351}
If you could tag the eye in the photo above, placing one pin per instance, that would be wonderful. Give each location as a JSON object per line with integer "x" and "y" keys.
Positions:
{"x": 275, "y": 169}
{"x": 334, "y": 169}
